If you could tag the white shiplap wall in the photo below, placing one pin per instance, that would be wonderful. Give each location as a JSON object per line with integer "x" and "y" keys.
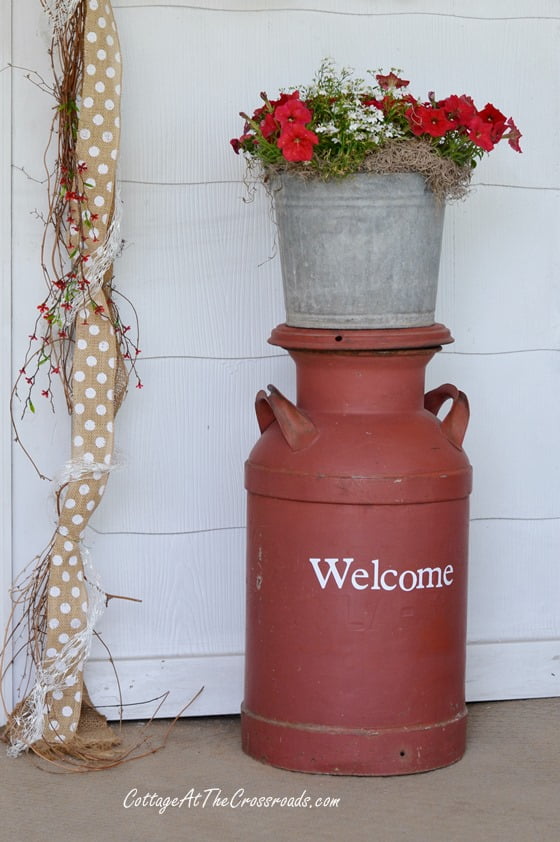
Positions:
{"x": 5, "y": 318}
{"x": 196, "y": 264}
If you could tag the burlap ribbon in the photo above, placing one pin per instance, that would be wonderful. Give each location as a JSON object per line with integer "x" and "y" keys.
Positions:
{"x": 74, "y": 601}
{"x": 93, "y": 381}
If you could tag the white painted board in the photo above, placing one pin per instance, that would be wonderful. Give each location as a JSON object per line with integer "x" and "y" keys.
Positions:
{"x": 199, "y": 264}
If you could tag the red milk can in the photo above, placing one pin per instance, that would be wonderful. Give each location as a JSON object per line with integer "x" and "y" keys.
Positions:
{"x": 356, "y": 560}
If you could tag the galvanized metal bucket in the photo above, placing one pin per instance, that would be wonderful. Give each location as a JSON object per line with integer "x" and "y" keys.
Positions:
{"x": 360, "y": 252}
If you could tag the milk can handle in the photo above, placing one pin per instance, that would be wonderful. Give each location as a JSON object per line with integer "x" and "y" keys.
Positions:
{"x": 454, "y": 425}
{"x": 297, "y": 429}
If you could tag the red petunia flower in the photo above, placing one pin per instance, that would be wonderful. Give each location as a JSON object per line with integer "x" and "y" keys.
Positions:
{"x": 378, "y": 103}
{"x": 381, "y": 104}
{"x": 293, "y": 111}
{"x": 480, "y": 132}
{"x": 269, "y": 126}
{"x": 391, "y": 81}
{"x": 454, "y": 110}
{"x": 297, "y": 142}
{"x": 257, "y": 113}
{"x": 268, "y": 107}
{"x": 415, "y": 121}
{"x": 390, "y": 103}
{"x": 514, "y": 135}
{"x": 495, "y": 119}
{"x": 237, "y": 143}
{"x": 283, "y": 99}
{"x": 423, "y": 119}
{"x": 459, "y": 110}
{"x": 435, "y": 122}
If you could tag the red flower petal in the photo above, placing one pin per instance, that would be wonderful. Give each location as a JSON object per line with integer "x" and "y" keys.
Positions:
{"x": 269, "y": 126}
{"x": 514, "y": 135}
{"x": 387, "y": 83}
{"x": 495, "y": 119}
{"x": 480, "y": 132}
{"x": 297, "y": 142}
{"x": 426, "y": 120}
{"x": 292, "y": 111}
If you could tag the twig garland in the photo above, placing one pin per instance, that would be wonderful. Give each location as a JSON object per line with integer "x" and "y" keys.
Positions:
{"x": 78, "y": 336}
{"x": 73, "y": 266}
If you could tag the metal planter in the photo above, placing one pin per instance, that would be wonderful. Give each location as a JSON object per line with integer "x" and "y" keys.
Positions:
{"x": 360, "y": 252}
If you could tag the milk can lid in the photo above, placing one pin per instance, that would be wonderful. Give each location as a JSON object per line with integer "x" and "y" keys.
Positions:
{"x": 314, "y": 339}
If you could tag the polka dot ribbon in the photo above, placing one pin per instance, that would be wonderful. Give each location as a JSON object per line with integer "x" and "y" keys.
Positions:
{"x": 94, "y": 382}
{"x": 99, "y": 119}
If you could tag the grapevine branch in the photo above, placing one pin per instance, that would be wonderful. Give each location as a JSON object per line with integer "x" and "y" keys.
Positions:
{"x": 70, "y": 229}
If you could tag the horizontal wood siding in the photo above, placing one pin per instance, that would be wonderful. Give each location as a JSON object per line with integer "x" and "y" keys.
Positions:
{"x": 5, "y": 319}
{"x": 200, "y": 264}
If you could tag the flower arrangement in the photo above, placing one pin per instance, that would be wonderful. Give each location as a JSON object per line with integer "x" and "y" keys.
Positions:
{"x": 340, "y": 125}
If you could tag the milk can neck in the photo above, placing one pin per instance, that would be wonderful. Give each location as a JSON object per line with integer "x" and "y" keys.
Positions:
{"x": 358, "y": 382}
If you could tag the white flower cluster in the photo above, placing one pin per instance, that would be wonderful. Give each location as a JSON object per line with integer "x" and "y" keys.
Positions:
{"x": 351, "y": 116}
{"x": 348, "y": 118}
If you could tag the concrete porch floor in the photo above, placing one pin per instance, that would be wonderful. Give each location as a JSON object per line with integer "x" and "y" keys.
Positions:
{"x": 505, "y": 789}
